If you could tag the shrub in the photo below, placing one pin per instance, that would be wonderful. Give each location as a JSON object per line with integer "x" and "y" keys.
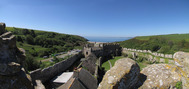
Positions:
{"x": 179, "y": 85}
{"x": 30, "y": 63}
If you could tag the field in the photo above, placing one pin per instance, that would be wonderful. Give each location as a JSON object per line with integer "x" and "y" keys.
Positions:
{"x": 168, "y": 44}
{"x": 173, "y": 37}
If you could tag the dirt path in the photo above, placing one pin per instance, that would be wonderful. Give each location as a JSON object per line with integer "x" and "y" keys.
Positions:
{"x": 110, "y": 64}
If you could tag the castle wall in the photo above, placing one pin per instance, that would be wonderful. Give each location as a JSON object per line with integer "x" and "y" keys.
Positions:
{"x": 50, "y": 72}
{"x": 148, "y": 51}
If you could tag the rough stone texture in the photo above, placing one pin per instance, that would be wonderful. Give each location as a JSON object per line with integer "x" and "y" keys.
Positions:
{"x": 148, "y": 51}
{"x": 134, "y": 55}
{"x": 171, "y": 61}
{"x": 123, "y": 75}
{"x": 49, "y": 72}
{"x": 160, "y": 76}
{"x": 90, "y": 63}
{"x": 2, "y": 28}
{"x": 161, "y": 60}
{"x": 182, "y": 62}
{"x": 151, "y": 58}
{"x": 12, "y": 74}
{"x": 105, "y": 50}
{"x": 39, "y": 85}
{"x": 17, "y": 81}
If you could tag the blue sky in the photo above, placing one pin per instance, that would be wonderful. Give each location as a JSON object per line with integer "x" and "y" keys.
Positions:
{"x": 108, "y": 18}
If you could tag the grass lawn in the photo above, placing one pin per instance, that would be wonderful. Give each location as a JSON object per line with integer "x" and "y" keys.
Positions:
{"x": 142, "y": 65}
{"x": 106, "y": 64}
{"x": 115, "y": 59}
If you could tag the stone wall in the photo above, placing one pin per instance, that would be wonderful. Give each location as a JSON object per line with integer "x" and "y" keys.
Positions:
{"x": 149, "y": 57}
{"x": 12, "y": 73}
{"x": 102, "y": 49}
{"x": 126, "y": 74}
{"x": 182, "y": 62}
{"x": 50, "y": 72}
{"x": 90, "y": 63}
{"x": 148, "y": 51}
{"x": 123, "y": 75}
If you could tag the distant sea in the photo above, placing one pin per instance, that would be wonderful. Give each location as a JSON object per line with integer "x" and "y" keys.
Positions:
{"x": 107, "y": 39}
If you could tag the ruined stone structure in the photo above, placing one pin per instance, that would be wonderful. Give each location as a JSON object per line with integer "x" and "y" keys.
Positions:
{"x": 148, "y": 51}
{"x": 48, "y": 73}
{"x": 182, "y": 62}
{"x": 12, "y": 73}
{"x": 97, "y": 53}
{"x": 160, "y": 76}
{"x": 126, "y": 75}
{"x": 90, "y": 63}
{"x": 104, "y": 50}
{"x": 123, "y": 75}
{"x": 151, "y": 57}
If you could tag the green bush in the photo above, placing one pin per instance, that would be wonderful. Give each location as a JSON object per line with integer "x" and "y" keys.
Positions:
{"x": 140, "y": 59}
{"x": 179, "y": 85}
{"x": 30, "y": 63}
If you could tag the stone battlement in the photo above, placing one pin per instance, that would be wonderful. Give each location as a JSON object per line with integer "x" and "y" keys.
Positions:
{"x": 7, "y": 38}
{"x": 2, "y": 28}
{"x": 111, "y": 44}
{"x": 12, "y": 72}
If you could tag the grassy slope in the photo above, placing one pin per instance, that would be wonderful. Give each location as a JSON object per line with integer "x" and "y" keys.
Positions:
{"x": 37, "y": 48}
{"x": 173, "y": 37}
{"x": 160, "y": 43}
{"x": 44, "y": 44}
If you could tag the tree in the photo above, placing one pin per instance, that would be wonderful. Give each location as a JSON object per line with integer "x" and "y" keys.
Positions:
{"x": 170, "y": 43}
{"x": 33, "y": 33}
{"x": 29, "y": 39}
{"x": 25, "y": 31}
{"x": 30, "y": 63}
{"x": 19, "y": 39}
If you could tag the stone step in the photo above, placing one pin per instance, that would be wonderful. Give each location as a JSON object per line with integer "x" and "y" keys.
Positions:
{"x": 6, "y": 35}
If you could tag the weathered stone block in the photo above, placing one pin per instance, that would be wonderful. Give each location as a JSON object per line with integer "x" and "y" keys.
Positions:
{"x": 162, "y": 60}
{"x": 2, "y": 28}
{"x": 160, "y": 76}
{"x": 123, "y": 75}
{"x": 182, "y": 62}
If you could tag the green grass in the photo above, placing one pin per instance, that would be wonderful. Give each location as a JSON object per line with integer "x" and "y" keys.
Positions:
{"x": 179, "y": 85}
{"x": 106, "y": 64}
{"x": 29, "y": 47}
{"x": 173, "y": 37}
{"x": 115, "y": 59}
{"x": 39, "y": 58}
{"x": 167, "y": 44}
{"x": 142, "y": 65}
{"x": 48, "y": 63}
{"x": 166, "y": 60}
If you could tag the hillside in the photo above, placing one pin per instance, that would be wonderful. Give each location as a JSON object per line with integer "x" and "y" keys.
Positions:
{"x": 160, "y": 43}
{"x": 41, "y": 43}
{"x": 173, "y": 37}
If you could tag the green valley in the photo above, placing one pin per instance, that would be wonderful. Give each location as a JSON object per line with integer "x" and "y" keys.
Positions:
{"x": 38, "y": 44}
{"x": 159, "y": 43}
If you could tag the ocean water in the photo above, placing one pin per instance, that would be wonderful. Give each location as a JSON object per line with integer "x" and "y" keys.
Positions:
{"x": 107, "y": 39}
